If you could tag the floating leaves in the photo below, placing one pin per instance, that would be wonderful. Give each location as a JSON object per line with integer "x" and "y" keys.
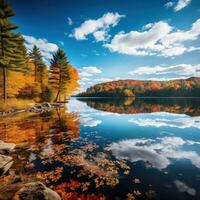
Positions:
{"x": 75, "y": 167}
{"x": 52, "y": 176}
{"x": 68, "y": 191}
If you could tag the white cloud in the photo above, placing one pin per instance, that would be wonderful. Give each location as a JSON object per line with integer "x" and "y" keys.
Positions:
{"x": 169, "y": 4}
{"x": 147, "y": 26}
{"x": 99, "y": 80}
{"x": 158, "y": 38}
{"x": 89, "y": 71}
{"x": 181, "y": 4}
{"x": 170, "y": 72}
{"x": 155, "y": 120}
{"x": 140, "y": 43}
{"x": 45, "y": 47}
{"x": 155, "y": 152}
{"x": 100, "y": 36}
{"x": 177, "y": 5}
{"x": 97, "y": 27}
{"x": 69, "y": 21}
{"x": 88, "y": 76}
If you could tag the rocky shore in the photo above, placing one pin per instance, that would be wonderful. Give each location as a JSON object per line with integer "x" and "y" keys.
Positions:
{"x": 38, "y": 108}
{"x": 16, "y": 189}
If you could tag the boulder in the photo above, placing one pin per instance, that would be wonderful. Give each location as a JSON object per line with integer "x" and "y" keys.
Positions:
{"x": 38, "y": 106}
{"x": 6, "y": 148}
{"x": 36, "y": 190}
{"x": 5, "y": 164}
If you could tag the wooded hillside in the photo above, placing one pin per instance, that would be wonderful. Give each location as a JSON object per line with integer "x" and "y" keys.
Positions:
{"x": 181, "y": 88}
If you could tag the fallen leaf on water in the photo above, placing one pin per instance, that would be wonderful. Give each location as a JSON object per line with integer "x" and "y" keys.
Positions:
{"x": 136, "y": 180}
{"x": 130, "y": 196}
{"x": 137, "y": 192}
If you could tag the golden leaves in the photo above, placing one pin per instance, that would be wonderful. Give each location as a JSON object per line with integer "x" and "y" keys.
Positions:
{"x": 132, "y": 196}
{"x": 52, "y": 176}
{"x": 126, "y": 172}
{"x": 85, "y": 186}
{"x": 137, "y": 192}
{"x": 122, "y": 164}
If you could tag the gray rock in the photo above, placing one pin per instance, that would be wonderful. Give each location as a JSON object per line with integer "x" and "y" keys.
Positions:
{"x": 47, "y": 105}
{"x": 5, "y": 163}
{"x": 36, "y": 190}
{"x": 6, "y": 148}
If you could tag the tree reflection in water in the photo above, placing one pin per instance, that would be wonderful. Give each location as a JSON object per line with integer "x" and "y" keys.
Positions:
{"x": 129, "y": 105}
{"x": 48, "y": 151}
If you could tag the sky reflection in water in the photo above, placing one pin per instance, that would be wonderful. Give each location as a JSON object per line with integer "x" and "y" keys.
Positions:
{"x": 150, "y": 136}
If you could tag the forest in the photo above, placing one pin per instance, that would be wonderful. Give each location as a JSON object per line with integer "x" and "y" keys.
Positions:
{"x": 25, "y": 76}
{"x": 130, "y": 88}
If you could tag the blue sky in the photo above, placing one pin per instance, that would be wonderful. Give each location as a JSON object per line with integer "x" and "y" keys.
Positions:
{"x": 116, "y": 39}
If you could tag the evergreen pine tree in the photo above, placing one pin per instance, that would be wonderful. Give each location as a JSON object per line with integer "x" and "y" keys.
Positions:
{"x": 12, "y": 49}
{"x": 59, "y": 73}
{"x": 40, "y": 66}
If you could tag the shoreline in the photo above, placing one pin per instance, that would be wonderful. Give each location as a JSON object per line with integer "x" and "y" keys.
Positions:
{"x": 37, "y": 108}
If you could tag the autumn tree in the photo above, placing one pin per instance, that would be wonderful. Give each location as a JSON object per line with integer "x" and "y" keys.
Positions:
{"x": 59, "y": 73}
{"x": 12, "y": 49}
{"x": 73, "y": 83}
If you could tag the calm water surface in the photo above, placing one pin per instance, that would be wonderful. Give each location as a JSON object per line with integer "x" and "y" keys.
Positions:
{"x": 111, "y": 149}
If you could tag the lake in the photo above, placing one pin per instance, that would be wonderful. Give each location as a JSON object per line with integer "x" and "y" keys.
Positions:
{"x": 104, "y": 148}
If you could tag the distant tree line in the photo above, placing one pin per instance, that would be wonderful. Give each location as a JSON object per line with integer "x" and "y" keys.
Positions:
{"x": 127, "y": 88}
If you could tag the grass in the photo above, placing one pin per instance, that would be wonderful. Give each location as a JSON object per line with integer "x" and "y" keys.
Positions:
{"x": 15, "y": 104}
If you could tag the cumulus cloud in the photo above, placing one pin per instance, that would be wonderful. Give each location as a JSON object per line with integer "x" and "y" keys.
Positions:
{"x": 89, "y": 76}
{"x": 158, "y": 38}
{"x": 89, "y": 71}
{"x": 170, "y": 72}
{"x": 99, "y": 80}
{"x": 168, "y": 119}
{"x": 169, "y": 4}
{"x": 181, "y": 4}
{"x": 97, "y": 27}
{"x": 45, "y": 47}
{"x": 100, "y": 36}
{"x": 177, "y": 6}
{"x": 156, "y": 153}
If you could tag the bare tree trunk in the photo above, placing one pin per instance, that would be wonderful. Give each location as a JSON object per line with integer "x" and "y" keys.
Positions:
{"x": 4, "y": 84}
{"x": 35, "y": 74}
{"x": 57, "y": 95}
{"x": 4, "y": 69}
